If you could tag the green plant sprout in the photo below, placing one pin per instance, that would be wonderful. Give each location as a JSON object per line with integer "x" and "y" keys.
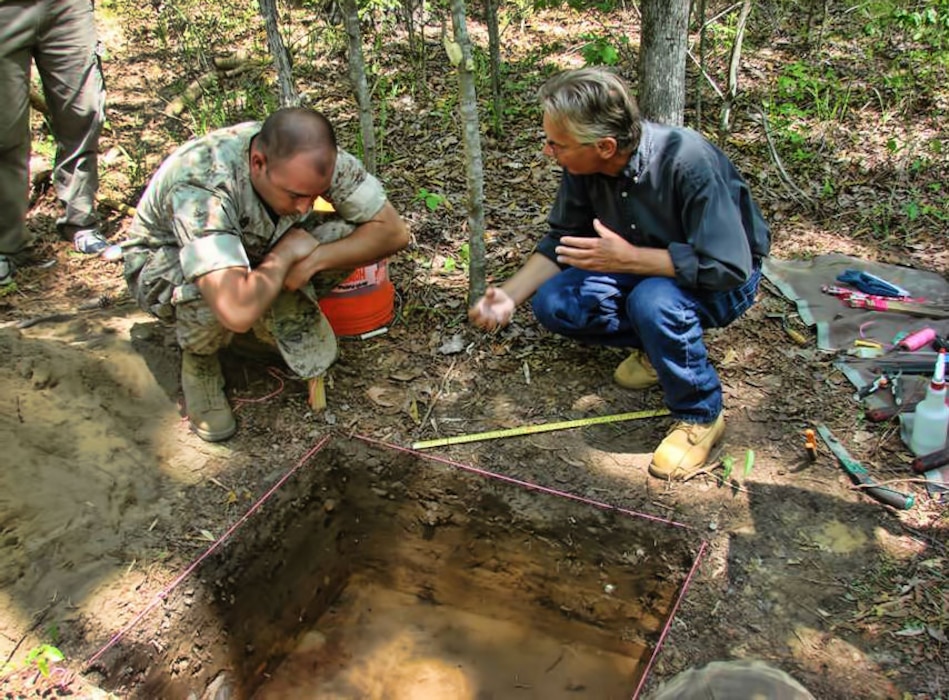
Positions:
{"x": 432, "y": 199}
{"x": 42, "y": 656}
{"x": 728, "y": 465}
{"x": 464, "y": 258}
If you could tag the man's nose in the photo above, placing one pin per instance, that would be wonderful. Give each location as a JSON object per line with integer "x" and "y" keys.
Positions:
{"x": 304, "y": 205}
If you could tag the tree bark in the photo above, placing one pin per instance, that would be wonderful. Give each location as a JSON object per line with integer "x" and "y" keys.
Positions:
{"x": 459, "y": 52}
{"x": 357, "y": 76}
{"x": 700, "y": 78}
{"x": 663, "y": 48}
{"x": 494, "y": 46}
{"x": 289, "y": 97}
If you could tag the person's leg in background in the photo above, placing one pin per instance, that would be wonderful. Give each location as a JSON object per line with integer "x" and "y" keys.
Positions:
{"x": 17, "y": 20}
{"x": 71, "y": 74}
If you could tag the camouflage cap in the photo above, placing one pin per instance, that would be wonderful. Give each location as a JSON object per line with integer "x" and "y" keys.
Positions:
{"x": 733, "y": 680}
{"x": 303, "y": 334}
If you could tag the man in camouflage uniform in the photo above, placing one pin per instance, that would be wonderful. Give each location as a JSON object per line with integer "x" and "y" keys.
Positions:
{"x": 227, "y": 223}
{"x": 60, "y": 37}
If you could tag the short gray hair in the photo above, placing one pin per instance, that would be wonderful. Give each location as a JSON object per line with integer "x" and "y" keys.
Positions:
{"x": 591, "y": 104}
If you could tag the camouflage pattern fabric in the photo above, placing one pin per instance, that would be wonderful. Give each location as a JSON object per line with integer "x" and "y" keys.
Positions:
{"x": 733, "y": 680}
{"x": 200, "y": 213}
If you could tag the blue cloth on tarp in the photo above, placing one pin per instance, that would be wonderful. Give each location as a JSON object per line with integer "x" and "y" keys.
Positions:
{"x": 871, "y": 284}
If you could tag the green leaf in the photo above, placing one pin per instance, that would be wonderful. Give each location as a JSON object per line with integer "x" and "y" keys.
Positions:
{"x": 729, "y": 463}
{"x": 749, "y": 461}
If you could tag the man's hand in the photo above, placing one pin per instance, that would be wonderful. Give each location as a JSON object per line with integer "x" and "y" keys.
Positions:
{"x": 295, "y": 245}
{"x": 299, "y": 273}
{"x": 492, "y": 311}
{"x": 610, "y": 252}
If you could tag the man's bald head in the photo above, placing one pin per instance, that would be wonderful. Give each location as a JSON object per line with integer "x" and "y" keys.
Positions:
{"x": 293, "y": 131}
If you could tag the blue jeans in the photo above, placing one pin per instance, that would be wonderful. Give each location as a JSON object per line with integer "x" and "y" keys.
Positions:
{"x": 653, "y": 314}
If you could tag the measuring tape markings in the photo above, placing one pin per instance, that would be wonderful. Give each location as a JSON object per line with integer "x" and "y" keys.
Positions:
{"x": 541, "y": 428}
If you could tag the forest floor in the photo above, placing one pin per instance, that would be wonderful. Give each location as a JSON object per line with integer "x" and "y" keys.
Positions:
{"x": 106, "y": 498}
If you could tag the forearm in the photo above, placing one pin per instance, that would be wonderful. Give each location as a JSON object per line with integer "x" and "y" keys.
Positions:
{"x": 373, "y": 240}
{"x": 537, "y": 270}
{"x": 239, "y": 297}
{"x": 650, "y": 262}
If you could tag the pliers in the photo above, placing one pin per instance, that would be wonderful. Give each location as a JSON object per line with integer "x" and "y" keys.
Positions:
{"x": 877, "y": 384}
{"x": 896, "y": 387}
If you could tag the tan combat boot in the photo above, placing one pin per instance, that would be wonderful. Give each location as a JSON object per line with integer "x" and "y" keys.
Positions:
{"x": 203, "y": 385}
{"x": 636, "y": 372}
{"x": 685, "y": 449}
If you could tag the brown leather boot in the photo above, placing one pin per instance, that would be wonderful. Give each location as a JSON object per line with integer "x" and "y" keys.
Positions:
{"x": 636, "y": 372}
{"x": 685, "y": 449}
{"x": 203, "y": 386}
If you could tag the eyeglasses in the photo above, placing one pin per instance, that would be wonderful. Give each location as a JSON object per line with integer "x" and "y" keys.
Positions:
{"x": 558, "y": 148}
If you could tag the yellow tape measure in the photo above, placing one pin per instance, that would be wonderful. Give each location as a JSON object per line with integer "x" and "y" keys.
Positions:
{"x": 541, "y": 428}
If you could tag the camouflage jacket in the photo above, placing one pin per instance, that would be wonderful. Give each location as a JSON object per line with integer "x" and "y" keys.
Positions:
{"x": 201, "y": 200}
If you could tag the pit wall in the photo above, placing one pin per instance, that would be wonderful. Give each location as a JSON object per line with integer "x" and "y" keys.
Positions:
{"x": 415, "y": 525}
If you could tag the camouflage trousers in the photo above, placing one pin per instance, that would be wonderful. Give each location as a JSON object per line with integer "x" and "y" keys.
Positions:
{"x": 157, "y": 284}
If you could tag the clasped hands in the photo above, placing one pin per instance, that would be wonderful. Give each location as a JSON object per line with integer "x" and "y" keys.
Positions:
{"x": 298, "y": 248}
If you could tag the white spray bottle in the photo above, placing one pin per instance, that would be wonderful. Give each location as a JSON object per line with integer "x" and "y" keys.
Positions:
{"x": 931, "y": 421}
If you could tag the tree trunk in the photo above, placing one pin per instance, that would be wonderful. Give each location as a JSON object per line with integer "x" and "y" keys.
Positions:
{"x": 289, "y": 97}
{"x": 663, "y": 48}
{"x": 700, "y": 78}
{"x": 494, "y": 46}
{"x": 357, "y": 76}
{"x": 459, "y": 52}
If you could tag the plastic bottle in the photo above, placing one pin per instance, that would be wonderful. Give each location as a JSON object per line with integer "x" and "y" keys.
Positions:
{"x": 931, "y": 422}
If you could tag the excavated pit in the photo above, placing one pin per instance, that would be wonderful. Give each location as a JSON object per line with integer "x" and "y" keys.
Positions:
{"x": 376, "y": 573}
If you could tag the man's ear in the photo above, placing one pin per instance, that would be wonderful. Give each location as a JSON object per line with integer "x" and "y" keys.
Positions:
{"x": 257, "y": 159}
{"x": 606, "y": 147}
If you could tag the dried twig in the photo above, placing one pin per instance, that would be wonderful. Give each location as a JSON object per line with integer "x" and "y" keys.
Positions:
{"x": 438, "y": 393}
{"x": 777, "y": 159}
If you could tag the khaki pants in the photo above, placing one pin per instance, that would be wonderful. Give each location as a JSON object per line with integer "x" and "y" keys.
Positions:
{"x": 60, "y": 37}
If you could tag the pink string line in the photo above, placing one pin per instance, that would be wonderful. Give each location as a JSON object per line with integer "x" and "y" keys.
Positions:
{"x": 526, "y": 484}
{"x": 668, "y": 625}
{"x": 276, "y": 374}
{"x": 161, "y": 595}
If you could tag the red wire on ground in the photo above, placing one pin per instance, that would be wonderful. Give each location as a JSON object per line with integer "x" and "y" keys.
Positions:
{"x": 526, "y": 484}
{"x": 665, "y": 629}
{"x": 276, "y": 374}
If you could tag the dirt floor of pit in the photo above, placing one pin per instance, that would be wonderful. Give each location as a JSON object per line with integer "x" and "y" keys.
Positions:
{"x": 378, "y": 643}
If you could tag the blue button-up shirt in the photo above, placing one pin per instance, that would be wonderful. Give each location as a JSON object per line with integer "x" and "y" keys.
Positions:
{"x": 678, "y": 192}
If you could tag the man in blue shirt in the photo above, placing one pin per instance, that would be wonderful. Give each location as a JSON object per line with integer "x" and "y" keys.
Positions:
{"x": 654, "y": 237}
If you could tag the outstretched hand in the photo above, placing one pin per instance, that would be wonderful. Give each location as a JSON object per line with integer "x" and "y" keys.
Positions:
{"x": 608, "y": 252}
{"x": 492, "y": 311}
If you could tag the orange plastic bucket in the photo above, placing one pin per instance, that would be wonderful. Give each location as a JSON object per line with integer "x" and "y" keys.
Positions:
{"x": 362, "y": 302}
